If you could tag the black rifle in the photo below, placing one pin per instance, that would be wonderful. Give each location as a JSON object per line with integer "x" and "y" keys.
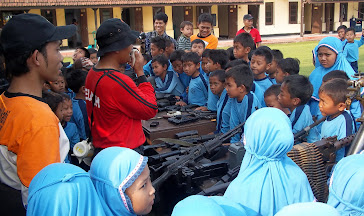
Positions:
{"x": 195, "y": 152}
{"x": 298, "y": 137}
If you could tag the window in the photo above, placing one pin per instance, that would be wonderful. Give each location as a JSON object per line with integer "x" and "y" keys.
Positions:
{"x": 361, "y": 10}
{"x": 293, "y": 11}
{"x": 105, "y": 14}
{"x": 344, "y": 11}
{"x": 269, "y": 13}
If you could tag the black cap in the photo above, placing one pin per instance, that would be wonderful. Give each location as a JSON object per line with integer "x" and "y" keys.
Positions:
{"x": 26, "y": 32}
{"x": 114, "y": 35}
{"x": 248, "y": 17}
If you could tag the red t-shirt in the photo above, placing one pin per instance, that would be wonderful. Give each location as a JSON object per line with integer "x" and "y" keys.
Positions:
{"x": 119, "y": 108}
{"x": 254, "y": 33}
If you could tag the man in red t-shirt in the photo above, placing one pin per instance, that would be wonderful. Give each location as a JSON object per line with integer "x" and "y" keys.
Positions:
{"x": 248, "y": 27}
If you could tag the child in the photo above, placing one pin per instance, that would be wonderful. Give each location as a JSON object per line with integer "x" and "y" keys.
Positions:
{"x": 351, "y": 48}
{"x": 271, "y": 98}
{"x": 122, "y": 180}
{"x": 238, "y": 83}
{"x": 243, "y": 45}
{"x": 260, "y": 63}
{"x": 230, "y": 53}
{"x": 205, "y": 25}
{"x": 341, "y": 32}
{"x": 170, "y": 48}
{"x": 277, "y": 56}
{"x": 286, "y": 67}
{"x": 198, "y": 46}
{"x": 296, "y": 91}
{"x": 69, "y": 128}
{"x": 198, "y": 89}
{"x": 166, "y": 81}
{"x": 204, "y": 62}
{"x": 217, "y": 86}
{"x": 76, "y": 82}
{"x": 58, "y": 86}
{"x": 93, "y": 55}
{"x": 176, "y": 60}
{"x": 184, "y": 41}
{"x": 79, "y": 52}
{"x": 339, "y": 122}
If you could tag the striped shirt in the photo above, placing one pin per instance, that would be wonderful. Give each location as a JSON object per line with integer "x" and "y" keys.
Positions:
{"x": 183, "y": 43}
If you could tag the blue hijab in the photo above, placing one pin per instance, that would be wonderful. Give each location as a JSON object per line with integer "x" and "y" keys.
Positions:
{"x": 198, "y": 205}
{"x": 63, "y": 189}
{"x": 347, "y": 186}
{"x": 268, "y": 179}
{"x": 308, "y": 208}
{"x": 112, "y": 171}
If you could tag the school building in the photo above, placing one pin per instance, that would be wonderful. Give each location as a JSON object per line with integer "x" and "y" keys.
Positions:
{"x": 272, "y": 17}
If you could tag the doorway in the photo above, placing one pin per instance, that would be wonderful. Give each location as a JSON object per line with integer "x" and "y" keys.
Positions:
{"x": 77, "y": 17}
{"x": 178, "y": 18}
{"x": 329, "y": 16}
{"x": 254, "y": 11}
{"x": 316, "y": 25}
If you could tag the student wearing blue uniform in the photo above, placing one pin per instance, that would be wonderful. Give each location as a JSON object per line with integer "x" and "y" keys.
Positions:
{"x": 176, "y": 61}
{"x": 167, "y": 82}
{"x": 277, "y": 56}
{"x": 339, "y": 122}
{"x": 271, "y": 98}
{"x": 268, "y": 179}
{"x": 260, "y": 63}
{"x": 204, "y": 61}
{"x": 351, "y": 47}
{"x": 286, "y": 67}
{"x": 308, "y": 208}
{"x": 243, "y": 45}
{"x": 198, "y": 87}
{"x": 296, "y": 91}
{"x": 121, "y": 179}
{"x": 346, "y": 186}
{"x": 238, "y": 83}
{"x": 64, "y": 190}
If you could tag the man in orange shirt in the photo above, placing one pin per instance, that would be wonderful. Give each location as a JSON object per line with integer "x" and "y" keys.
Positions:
{"x": 205, "y": 25}
{"x": 30, "y": 135}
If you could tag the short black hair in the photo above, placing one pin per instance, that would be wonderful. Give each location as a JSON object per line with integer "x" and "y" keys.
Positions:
{"x": 161, "y": 59}
{"x": 341, "y": 27}
{"x": 192, "y": 57}
{"x": 52, "y": 99}
{"x": 75, "y": 79}
{"x": 87, "y": 53}
{"x": 273, "y": 90}
{"x": 236, "y": 62}
{"x": 245, "y": 39}
{"x": 92, "y": 51}
{"x": 65, "y": 96}
{"x": 335, "y": 74}
{"x": 242, "y": 75}
{"x": 220, "y": 74}
{"x": 277, "y": 55}
{"x": 206, "y": 53}
{"x": 350, "y": 29}
{"x": 266, "y": 53}
{"x": 336, "y": 89}
{"x": 176, "y": 55}
{"x": 169, "y": 42}
{"x": 198, "y": 41}
{"x": 159, "y": 42}
{"x": 289, "y": 65}
{"x": 219, "y": 56}
{"x": 230, "y": 53}
{"x": 299, "y": 87}
{"x": 185, "y": 23}
{"x": 161, "y": 16}
{"x": 205, "y": 17}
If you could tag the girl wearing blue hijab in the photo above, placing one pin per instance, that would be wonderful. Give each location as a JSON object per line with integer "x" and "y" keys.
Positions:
{"x": 347, "y": 186}
{"x": 308, "y": 209}
{"x": 268, "y": 179}
{"x": 121, "y": 178}
{"x": 63, "y": 189}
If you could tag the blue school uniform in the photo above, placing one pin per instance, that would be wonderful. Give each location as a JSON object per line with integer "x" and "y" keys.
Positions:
{"x": 148, "y": 69}
{"x": 170, "y": 84}
{"x": 198, "y": 91}
{"x": 72, "y": 134}
{"x": 264, "y": 83}
{"x": 63, "y": 189}
{"x": 185, "y": 79}
{"x": 341, "y": 126}
{"x": 300, "y": 118}
{"x": 79, "y": 117}
{"x": 268, "y": 179}
{"x": 112, "y": 171}
{"x": 223, "y": 113}
{"x": 356, "y": 109}
{"x": 346, "y": 186}
{"x": 273, "y": 80}
{"x": 240, "y": 111}
{"x": 308, "y": 208}
{"x": 70, "y": 93}
{"x": 212, "y": 98}
{"x": 352, "y": 52}
{"x": 259, "y": 93}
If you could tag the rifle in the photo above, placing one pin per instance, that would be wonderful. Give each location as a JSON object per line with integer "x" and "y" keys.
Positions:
{"x": 196, "y": 152}
{"x": 298, "y": 137}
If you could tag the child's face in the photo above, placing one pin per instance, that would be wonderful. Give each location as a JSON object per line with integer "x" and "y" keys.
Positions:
{"x": 216, "y": 85}
{"x": 177, "y": 66}
{"x": 187, "y": 30}
{"x": 154, "y": 50}
{"x": 232, "y": 89}
{"x": 190, "y": 68}
{"x": 273, "y": 68}
{"x": 211, "y": 66}
{"x": 159, "y": 69}
{"x": 205, "y": 29}
{"x": 272, "y": 101}
{"x": 341, "y": 34}
{"x": 78, "y": 54}
{"x": 204, "y": 62}
{"x": 259, "y": 66}
{"x": 59, "y": 111}
{"x": 285, "y": 99}
{"x": 197, "y": 48}
{"x": 350, "y": 36}
{"x": 280, "y": 75}
{"x": 328, "y": 107}
{"x": 326, "y": 56}
{"x": 59, "y": 85}
{"x": 141, "y": 193}
{"x": 93, "y": 58}
{"x": 67, "y": 110}
{"x": 240, "y": 52}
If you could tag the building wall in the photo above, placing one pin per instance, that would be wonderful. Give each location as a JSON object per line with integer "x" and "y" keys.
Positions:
{"x": 169, "y": 27}
{"x": 61, "y": 21}
{"x": 35, "y": 11}
{"x": 91, "y": 23}
{"x": 148, "y": 19}
{"x": 242, "y": 10}
{"x": 308, "y": 17}
{"x": 352, "y": 11}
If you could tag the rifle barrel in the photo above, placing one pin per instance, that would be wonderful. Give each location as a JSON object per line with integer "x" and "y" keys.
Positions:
{"x": 306, "y": 129}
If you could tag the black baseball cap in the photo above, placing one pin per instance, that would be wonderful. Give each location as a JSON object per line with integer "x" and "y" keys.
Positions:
{"x": 114, "y": 35}
{"x": 248, "y": 17}
{"x": 27, "y": 32}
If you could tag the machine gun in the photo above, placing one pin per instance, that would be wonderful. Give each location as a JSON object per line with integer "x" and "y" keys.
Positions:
{"x": 192, "y": 117}
{"x": 301, "y": 135}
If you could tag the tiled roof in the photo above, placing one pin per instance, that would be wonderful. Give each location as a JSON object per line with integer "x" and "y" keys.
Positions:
{"x": 109, "y": 3}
